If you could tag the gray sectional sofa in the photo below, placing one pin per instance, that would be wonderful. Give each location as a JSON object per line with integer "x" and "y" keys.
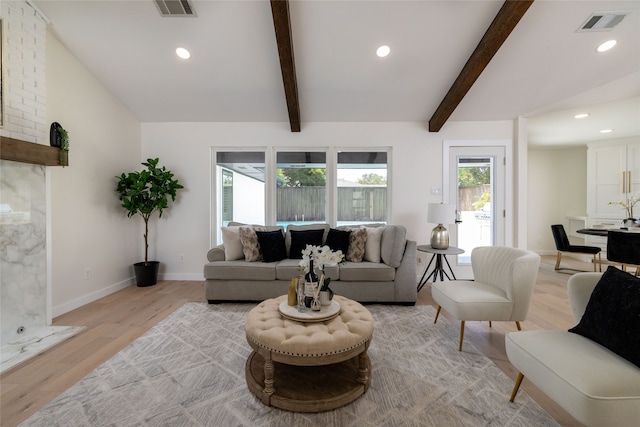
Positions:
{"x": 392, "y": 280}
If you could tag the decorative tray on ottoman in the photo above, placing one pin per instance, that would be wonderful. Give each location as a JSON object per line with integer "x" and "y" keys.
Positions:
{"x": 327, "y": 312}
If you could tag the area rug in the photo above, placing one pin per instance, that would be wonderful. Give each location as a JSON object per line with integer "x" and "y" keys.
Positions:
{"x": 189, "y": 371}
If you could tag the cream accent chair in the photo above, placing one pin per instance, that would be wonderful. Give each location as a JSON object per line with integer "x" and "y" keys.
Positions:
{"x": 596, "y": 386}
{"x": 501, "y": 290}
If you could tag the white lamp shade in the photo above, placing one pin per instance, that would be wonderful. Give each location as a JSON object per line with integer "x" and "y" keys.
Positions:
{"x": 440, "y": 213}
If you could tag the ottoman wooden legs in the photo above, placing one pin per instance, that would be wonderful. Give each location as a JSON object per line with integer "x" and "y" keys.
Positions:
{"x": 268, "y": 380}
{"x": 307, "y": 388}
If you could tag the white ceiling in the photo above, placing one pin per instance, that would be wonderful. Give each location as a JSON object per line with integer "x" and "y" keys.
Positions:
{"x": 544, "y": 71}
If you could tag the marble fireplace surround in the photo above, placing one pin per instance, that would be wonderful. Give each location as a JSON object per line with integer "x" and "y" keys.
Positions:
{"x": 25, "y": 320}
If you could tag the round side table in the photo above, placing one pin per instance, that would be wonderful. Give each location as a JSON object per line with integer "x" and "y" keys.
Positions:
{"x": 438, "y": 270}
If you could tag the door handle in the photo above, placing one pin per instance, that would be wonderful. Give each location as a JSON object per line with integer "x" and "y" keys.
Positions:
{"x": 628, "y": 181}
{"x": 624, "y": 181}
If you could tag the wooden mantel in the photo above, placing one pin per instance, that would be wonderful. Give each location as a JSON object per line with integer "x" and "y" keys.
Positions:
{"x": 28, "y": 152}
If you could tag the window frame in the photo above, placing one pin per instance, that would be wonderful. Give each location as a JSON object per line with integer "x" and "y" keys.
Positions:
{"x": 270, "y": 153}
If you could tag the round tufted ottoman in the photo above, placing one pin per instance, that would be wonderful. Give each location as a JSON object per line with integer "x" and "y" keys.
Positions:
{"x": 308, "y": 367}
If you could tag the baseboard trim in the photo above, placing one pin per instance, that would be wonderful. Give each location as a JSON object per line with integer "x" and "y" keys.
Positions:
{"x": 86, "y": 299}
{"x": 181, "y": 276}
{"x": 543, "y": 252}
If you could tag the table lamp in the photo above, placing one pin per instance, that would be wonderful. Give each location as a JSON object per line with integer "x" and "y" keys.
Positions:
{"x": 440, "y": 213}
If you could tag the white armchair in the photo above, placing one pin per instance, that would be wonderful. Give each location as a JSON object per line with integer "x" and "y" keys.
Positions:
{"x": 501, "y": 290}
{"x": 595, "y": 385}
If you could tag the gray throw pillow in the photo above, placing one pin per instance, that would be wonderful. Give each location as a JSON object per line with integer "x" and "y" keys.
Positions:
{"x": 394, "y": 240}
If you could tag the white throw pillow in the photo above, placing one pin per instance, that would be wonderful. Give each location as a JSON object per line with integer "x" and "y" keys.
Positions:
{"x": 372, "y": 245}
{"x": 232, "y": 243}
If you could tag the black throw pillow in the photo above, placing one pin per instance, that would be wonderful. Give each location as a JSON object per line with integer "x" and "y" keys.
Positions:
{"x": 271, "y": 245}
{"x": 612, "y": 315}
{"x": 301, "y": 238}
{"x": 338, "y": 240}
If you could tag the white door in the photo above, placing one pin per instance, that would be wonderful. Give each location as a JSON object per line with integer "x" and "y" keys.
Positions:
{"x": 477, "y": 188}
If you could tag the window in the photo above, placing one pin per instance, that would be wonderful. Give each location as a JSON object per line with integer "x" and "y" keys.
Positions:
{"x": 301, "y": 183}
{"x": 241, "y": 184}
{"x": 299, "y": 187}
{"x": 362, "y": 187}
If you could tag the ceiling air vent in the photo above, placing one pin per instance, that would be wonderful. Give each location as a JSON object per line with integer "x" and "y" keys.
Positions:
{"x": 175, "y": 7}
{"x": 604, "y": 21}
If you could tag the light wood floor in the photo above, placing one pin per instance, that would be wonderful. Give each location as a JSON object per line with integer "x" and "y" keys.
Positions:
{"x": 118, "y": 319}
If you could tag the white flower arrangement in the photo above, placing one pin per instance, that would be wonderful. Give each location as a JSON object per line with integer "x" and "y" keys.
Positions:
{"x": 627, "y": 205}
{"x": 322, "y": 256}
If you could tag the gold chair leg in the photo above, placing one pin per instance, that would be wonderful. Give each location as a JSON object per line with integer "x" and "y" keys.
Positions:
{"x": 437, "y": 314}
{"x": 516, "y": 386}
{"x": 461, "y": 334}
{"x": 594, "y": 263}
{"x": 558, "y": 261}
{"x": 518, "y": 325}
{"x": 600, "y": 261}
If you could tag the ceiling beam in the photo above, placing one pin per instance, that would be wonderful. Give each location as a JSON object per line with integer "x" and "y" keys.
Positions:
{"x": 505, "y": 21}
{"x": 282, "y": 26}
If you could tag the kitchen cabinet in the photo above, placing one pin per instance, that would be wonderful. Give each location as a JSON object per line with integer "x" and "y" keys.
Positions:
{"x": 613, "y": 174}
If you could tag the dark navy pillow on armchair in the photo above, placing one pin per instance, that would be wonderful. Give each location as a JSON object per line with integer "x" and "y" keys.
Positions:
{"x": 612, "y": 315}
{"x": 272, "y": 245}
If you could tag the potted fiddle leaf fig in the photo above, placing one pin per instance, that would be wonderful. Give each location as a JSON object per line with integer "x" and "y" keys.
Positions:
{"x": 144, "y": 193}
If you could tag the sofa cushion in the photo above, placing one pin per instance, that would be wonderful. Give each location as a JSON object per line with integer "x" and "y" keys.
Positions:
{"x": 250, "y": 245}
{"x": 357, "y": 241}
{"x": 612, "y": 315}
{"x": 366, "y": 272}
{"x": 392, "y": 245}
{"x": 289, "y": 268}
{"x": 239, "y": 270}
{"x": 232, "y": 243}
{"x": 271, "y": 245}
{"x": 372, "y": 245}
{"x": 301, "y": 238}
{"x": 338, "y": 240}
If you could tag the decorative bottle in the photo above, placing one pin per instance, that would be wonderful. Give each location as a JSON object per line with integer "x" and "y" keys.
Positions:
{"x": 310, "y": 283}
{"x": 292, "y": 295}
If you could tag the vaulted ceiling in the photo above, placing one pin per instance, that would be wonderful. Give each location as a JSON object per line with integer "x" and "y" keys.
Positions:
{"x": 545, "y": 70}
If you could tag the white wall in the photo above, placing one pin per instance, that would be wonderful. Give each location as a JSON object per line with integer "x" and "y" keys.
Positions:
{"x": 89, "y": 228}
{"x": 557, "y": 189}
{"x": 184, "y": 148}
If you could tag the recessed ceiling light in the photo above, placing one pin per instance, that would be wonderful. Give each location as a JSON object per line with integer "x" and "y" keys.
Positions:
{"x": 183, "y": 53}
{"x": 606, "y": 46}
{"x": 606, "y": 131}
{"x": 383, "y": 51}
{"x": 581, "y": 115}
